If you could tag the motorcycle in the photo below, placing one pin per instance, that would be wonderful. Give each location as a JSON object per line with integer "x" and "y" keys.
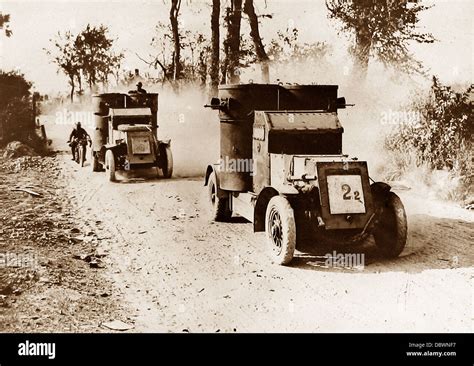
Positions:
{"x": 80, "y": 149}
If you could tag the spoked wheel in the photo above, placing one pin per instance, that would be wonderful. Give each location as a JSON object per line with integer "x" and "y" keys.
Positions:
{"x": 391, "y": 232}
{"x": 110, "y": 166}
{"x": 280, "y": 230}
{"x": 220, "y": 210}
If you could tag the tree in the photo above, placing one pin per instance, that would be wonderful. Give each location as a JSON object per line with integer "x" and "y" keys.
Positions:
{"x": 381, "y": 29}
{"x": 16, "y": 112}
{"x": 287, "y": 49}
{"x": 257, "y": 40}
{"x": 215, "y": 41}
{"x": 88, "y": 55}
{"x": 66, "y": 58}
{"x": 5, "y": 24}
{"x": 231, "y": 71}
{"x": 163, "y": 43}
{"x": 174, "y": 13}
{"x": 93, "y": 49}
{"x": 194, "y": 51}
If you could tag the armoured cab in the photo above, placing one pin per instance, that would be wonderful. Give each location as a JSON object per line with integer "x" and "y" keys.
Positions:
{"x": 300, "y": 152}
{"x": 237, "y": 105}
{"x": 132, "y": 128}
{"x": 279, "y": 135}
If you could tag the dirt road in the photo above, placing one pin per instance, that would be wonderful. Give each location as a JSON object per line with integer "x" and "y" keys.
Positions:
{"x": 177, "y": 271}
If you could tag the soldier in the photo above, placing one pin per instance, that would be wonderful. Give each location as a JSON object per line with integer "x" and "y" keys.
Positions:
{"x": 140, "y": 90}
{"x": 77, "y": 134}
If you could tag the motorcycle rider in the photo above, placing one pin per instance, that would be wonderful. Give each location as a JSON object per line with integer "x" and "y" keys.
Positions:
{"x": 77, "y": 134}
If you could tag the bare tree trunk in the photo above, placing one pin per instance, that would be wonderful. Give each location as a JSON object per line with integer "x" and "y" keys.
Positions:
{"x": 71, "y": 82}
{"x": 225, "y": 62}
{"x": 174, "y": 12}
{"x": 257, "y": 40}
{"x": 214, "y": 71}
{"x": 233, "y": 41}
{"x": 79, "y": 81}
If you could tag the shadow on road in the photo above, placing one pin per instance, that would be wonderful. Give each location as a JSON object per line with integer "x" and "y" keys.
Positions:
{"x": 433, "y": 243}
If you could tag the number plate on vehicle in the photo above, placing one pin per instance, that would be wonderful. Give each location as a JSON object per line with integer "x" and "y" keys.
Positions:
{"x": 345, "y": 194}
{"x": 140, "y": 145}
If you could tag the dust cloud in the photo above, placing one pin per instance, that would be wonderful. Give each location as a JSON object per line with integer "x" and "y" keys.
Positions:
{"x": 193, "y": 130}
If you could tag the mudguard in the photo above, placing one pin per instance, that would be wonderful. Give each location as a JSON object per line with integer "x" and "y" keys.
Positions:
{"x": 380, "y": 192}
{"x": 214, "y": 169}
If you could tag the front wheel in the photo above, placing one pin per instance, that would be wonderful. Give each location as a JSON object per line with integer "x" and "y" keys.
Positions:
{"x": 82, "y": 155}
{"x": 390, "y": 233}
{"x": 280, "y": 230}
{"x": 110, "y": 166}
{"x": 219, "y": 206}
{"x": 77, "y": 156}
{"x": 166, "y": 161}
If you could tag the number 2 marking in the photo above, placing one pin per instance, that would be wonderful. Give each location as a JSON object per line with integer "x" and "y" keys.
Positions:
{"x": 346, "y": 189}
{"x": 357, "y": 195}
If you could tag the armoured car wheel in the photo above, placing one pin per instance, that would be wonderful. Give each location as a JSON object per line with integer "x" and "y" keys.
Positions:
{"x": 96, "y": 166}
{"x": 391, "y": 232}
{"x": 167, "y": 162}
{"x": 110, "y": 165}
{"x": 280, "y": 230}
{"x": 219, "y": 206}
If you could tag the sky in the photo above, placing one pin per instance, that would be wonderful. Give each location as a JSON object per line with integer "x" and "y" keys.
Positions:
{"x": 132, "y": 24}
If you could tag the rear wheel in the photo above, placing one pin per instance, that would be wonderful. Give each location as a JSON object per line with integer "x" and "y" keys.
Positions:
{"x": 280, "y": 230}
{"x": 166, "y": 161}
{"x": 219, "y": 206}
{"x": 110, "y": 166}
{"x": 391, "y": 232}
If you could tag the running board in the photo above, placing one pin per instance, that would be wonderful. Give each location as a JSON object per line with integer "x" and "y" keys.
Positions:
{"x": 242, "y": 204}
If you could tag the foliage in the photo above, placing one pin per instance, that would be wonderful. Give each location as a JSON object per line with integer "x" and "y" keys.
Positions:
{"x": 382, "y": 29}
{"x": 442, "y": 138}
{"x": 15, "y": 106}
{"x": 95, "y": 56}
{"x": 4, "y": 24}
{"x": 287, "y": 48}
{"x": 88, "y": 54}
{"x": 193, "y": 57}
{"x": 66, "y": 58}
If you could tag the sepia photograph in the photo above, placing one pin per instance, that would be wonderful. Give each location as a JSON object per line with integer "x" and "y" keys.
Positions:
{"x": 236, "y": 166}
